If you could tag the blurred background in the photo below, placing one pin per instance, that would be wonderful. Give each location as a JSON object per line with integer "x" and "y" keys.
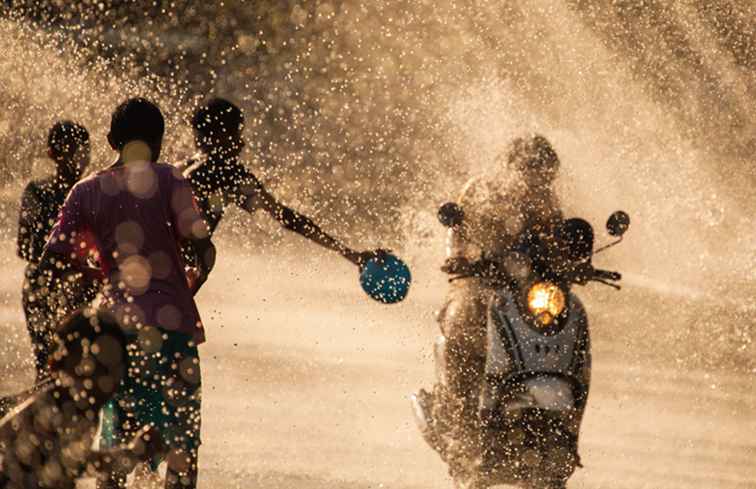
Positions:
{"x": 369, "y": 114}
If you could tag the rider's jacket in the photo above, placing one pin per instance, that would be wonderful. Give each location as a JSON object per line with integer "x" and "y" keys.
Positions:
{"x": 498, "y": 209}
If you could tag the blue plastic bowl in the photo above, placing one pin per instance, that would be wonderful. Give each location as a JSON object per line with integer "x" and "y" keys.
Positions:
{"x": 386, "y": 278}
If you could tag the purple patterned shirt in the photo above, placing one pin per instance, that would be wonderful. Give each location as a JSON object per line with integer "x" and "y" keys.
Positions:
{"x": 131, "y": 219}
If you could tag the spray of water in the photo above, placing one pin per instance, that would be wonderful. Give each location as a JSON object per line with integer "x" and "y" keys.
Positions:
{"x": 369, "y": 115}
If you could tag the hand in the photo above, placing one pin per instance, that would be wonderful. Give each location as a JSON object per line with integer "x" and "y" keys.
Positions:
{"x": 581, "y": 273}
{"x": 359, "y": 258}
{"x": 455, "y": 265}
{"x": 147, "y": 444}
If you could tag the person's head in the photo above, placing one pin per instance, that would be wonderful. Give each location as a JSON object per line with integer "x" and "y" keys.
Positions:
{"x": 534, "y": 158}
{"x": 136, "y": 129}
{"x": 90, "y": 358}
{"x": 68, "y": 147}
{"x": 218, "y": 126}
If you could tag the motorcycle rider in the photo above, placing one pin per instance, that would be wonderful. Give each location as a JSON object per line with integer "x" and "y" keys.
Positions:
{"x": 499, "y": 212}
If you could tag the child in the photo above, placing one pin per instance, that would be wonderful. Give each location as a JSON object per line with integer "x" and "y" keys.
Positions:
{"x": 68, "y": 147}
{"x": 46, "y": 440}
{"x": 132, "y": 217}
{"x": 219, "y": 179}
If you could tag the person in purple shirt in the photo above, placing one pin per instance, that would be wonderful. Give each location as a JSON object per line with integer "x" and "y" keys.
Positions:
{"x": 131, "y": 219}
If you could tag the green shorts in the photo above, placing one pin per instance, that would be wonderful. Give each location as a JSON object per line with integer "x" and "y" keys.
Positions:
{"x": 162, "y": 388}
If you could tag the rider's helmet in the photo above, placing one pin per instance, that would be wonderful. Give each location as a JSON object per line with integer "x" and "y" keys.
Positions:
{"x": 534, "y": 156}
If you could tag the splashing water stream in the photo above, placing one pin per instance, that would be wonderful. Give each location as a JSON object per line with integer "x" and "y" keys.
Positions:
{"x": 369, "y": 115}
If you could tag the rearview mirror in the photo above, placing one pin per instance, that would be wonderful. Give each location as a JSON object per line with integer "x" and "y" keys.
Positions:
{"x": 618, "y": 223}
{"x": 450, "y": 214}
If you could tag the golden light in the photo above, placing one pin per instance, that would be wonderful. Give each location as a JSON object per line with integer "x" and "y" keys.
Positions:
{"x": 546, "y": 301}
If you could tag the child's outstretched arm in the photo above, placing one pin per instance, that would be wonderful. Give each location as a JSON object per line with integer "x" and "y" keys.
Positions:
{"x": 259, "y": 198}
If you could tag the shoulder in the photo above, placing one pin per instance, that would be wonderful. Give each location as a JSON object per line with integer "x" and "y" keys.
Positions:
{"x": 32, "y": 189}
{"x": 39, "y": 185}
{"x": 234, "y": 174}
{"x": 84, "y": 185}
{"x": 170, "y": 172}
{"x": 246, "y": 181}
{"x": 90, "y": 182}
{"x": 243, "y": 171}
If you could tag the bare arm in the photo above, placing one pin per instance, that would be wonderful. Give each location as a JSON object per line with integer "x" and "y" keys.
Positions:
{"x": 461, "y": 251}
{"x": 28, "y": 241}
{"x": 205, "y": 261}
{"x": 259, "y": 198}
{"x": 192, "y": 231}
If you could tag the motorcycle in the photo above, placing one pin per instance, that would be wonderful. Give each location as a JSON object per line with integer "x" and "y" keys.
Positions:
{"x": 536, "y": 378}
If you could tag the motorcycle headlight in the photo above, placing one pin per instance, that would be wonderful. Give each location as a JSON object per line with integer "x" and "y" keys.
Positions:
{"x": 546, "y": 301}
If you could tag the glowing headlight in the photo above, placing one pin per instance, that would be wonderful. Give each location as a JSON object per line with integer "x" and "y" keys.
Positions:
{"x": 546, "y": 301}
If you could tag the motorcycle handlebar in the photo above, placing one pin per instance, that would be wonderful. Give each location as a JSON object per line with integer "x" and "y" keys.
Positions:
{"x": 606, "y": 275}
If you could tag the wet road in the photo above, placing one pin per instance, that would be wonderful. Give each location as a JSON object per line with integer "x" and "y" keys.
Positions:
{"x": 306, "y": 385}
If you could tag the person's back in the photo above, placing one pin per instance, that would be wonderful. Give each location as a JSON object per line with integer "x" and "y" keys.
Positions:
{"x": 132, "y": 218}
{"x": 135, "y": 212}
{"x": 40, "y": 204}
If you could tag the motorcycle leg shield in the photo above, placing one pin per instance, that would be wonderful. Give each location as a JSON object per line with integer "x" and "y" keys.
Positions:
{"x": 422, "y": 406}
{"x": 440, "y": 356}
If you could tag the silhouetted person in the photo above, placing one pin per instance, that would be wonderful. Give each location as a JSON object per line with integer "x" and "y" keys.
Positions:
{"x": 219, "y": 178}
{"x": 68, "y": 147}
{"x": 45, "y": 442}
{"x": 130, "y": 218}
{"x": 518, "y": 198}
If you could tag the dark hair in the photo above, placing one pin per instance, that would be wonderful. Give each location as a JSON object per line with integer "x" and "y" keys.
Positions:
{"x": 218, "y": 117}
{"x": 533, "y": 153}
{"x": 64, "y": 137}
{"x": 137, "y": 119}
{"x": 97, "y": 333}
